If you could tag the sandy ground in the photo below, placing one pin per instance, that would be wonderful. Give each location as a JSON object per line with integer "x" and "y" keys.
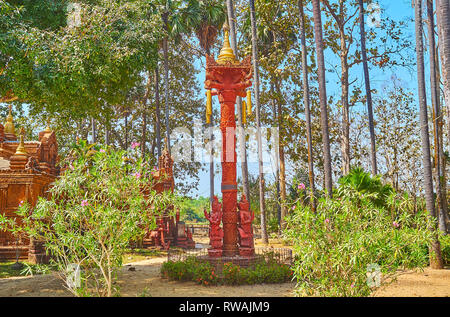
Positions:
{"x": 429, "y": 283}
{"x": 145, "y": 279}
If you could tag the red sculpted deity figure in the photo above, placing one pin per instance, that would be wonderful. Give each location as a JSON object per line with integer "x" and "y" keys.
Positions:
{"x": 215, "y": 231}
{"x": 246, "y": 217}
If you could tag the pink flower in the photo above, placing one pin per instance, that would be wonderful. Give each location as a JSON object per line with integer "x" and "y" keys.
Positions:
{"x": 301, "y": 186}
{"x": 21, "y": 203}
{"x": 396, "y": 224}
{"x": 84, "y": 203}
{"x": 102, "y": 151}
{"x": 137, "y": 175}
{"x": 353, "y": 285}
{"x": 327, "y": 220}
{"x": 135, "y": 145}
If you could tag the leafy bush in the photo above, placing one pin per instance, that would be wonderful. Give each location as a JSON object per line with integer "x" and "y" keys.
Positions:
{"x": 358, "y": 184}
{"x": 204, "y": 273}
{"x": 343, "y": 241}
{"x": 445, "y": 248}
{"x": 97, "y": 207}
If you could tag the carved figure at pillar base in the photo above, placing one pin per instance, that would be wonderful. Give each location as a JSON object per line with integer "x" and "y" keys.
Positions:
{"x": 215, "y": 231}
{"x": 245, "y": 229}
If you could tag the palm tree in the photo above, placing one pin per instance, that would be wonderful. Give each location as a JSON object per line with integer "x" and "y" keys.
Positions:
{"x": 212, "y": 17}
{"x": 435, "y": 249}
{"x": 323, "y": 97}
{"x": 437, "y": 118}
{"x": 175, "y": 19}
{"x": 373, "y": 151}
{"x": 264, "y": 236}
{"x": 241, "y": 135}
{"x": 443, "y": 18}
{"x": 307, "y": 102}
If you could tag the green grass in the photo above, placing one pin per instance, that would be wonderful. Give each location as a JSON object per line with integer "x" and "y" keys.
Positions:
{"x": 6, "y": 270}
{"x": 27, "y": 269}
{"x": 135, "y": 255}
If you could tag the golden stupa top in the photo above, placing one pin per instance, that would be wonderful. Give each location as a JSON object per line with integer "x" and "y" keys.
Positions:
{"x": 226, "y": 53}
{"x": 47, "y": 128}
{"x": 21, "y": 148}
{"x": 9, "y": 124}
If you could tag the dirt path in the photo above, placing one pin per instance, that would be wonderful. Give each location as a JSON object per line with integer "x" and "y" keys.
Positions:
{"x": 145, "y": 280}
{"x": 429, "y": 283}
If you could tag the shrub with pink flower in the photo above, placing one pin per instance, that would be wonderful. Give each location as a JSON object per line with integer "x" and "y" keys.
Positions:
{"x": 84, "y": 203}
{"x": 135, "y": 145}
{"x": 301, "y": 186}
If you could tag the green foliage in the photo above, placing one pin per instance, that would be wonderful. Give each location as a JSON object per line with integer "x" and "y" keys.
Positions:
{"x": 264, "y": 271}
{"x": 358, "y": 184}
{"x": 336, "y": 246}
{"x": 36, "y": 269}
{"x": 445, "y": 248}
{"x": 192, "y": 209}
{"x": 97, "y": 207}
{"x": 72, "y": 69}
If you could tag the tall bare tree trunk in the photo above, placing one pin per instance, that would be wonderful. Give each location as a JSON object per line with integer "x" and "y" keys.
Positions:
{"x": 94, "y": 130}
{"x": 443, "y": 161}
{"x": 307, "y": 103}
{"x": 281, "y": 155}
{"x": 373, "y": 150}
{"x": 437, "y": 118}
{"x": 157, "y": 112}
{"x": 264, "y": 235}
{"x": 435, "y": 249}
{"x": 126, "y": 130}
{"x": 277, "y": 170}
{"x": 443, "y": 13}
{"x": 144, "y": 114}
{"x": 166, "y": 80}
{"x": 443, "y": 24}
{"x": 345, "y": 142}
{"x": 323, "y": 98}
{"x": 240, "y": 125}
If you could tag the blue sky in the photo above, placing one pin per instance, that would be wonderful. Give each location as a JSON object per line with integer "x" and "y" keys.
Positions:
{"x": 396, "y": 9}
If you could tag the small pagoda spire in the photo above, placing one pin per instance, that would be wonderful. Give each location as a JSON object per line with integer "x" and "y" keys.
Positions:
{"x": 47, "y": 128}
{"x": 226, "y": 53}
{"x": 9, "y": 124}
{"x": 21, "y": 148}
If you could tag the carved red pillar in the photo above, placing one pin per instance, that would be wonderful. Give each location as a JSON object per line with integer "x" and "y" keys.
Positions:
{"x": 230, "y": 78}
{"x": 227, "y": 100}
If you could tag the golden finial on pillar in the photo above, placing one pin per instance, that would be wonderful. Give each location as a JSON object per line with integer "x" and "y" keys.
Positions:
{"x": 208, "y": 106}
{"x": 244, "y": 112}
{"x": 249, "y": 102}
{"x": 226, "y": 53}
{"x": 9, "y": 124}
{"x": 21, "y": 148}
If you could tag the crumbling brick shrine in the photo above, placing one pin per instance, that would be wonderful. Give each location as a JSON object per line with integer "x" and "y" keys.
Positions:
{"x": 27, "y": 169}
